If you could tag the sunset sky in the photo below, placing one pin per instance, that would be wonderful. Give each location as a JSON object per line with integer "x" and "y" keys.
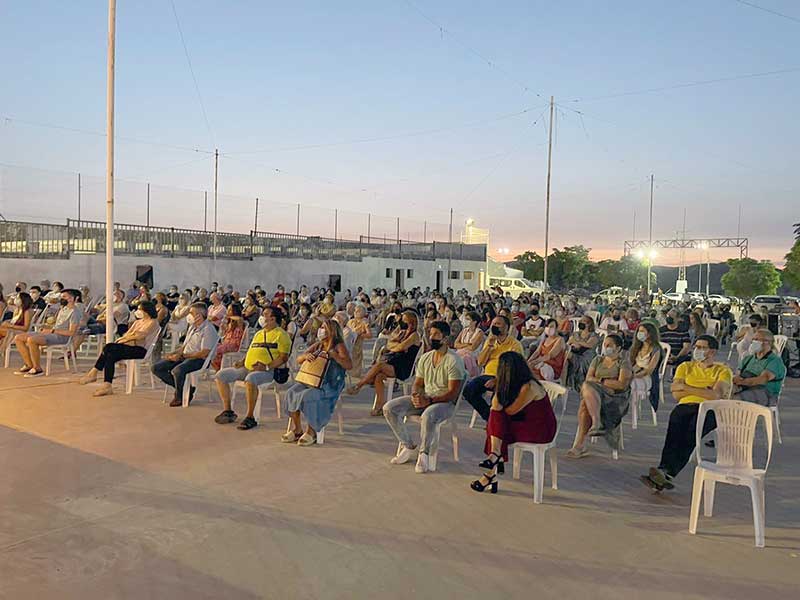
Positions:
{"x": 409, "y": 109}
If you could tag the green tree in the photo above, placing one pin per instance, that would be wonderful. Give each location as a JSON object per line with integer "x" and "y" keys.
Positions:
{"x": 531, "y": 264}
{"x": 607, "y": 273}
{"x": 791, "y": 272}
{"x": 570, "y": 267}
{"x": 748, "y": 277}
{"x": 632, "y": 273}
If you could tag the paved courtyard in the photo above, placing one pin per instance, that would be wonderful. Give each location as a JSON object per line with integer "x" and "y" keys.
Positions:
{"x": 123, "y": 497}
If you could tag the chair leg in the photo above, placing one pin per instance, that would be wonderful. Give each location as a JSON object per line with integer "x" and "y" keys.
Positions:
{"x": 621, "y": 439}
{"x": 48, "y": 363}
{"x": 777, "y": 420}
{"x": 538, "y": 476}
{"x": 278, "y": 402}
{"x": 321, "y": 436}
{"x": 66, "y": 359}
{"x": 554, "y": 468}
{"x": 257, "y": 409}
{"x": 655, "y": 418}
{"x": 454, "y": 438}
{"x": 615, "y": 455}
{"x": 129, "y": 383}
{"x": 340, "y": 419}
{"x": 473, "y": 419}
{"x": 697, "y": 491}
{"x": 433, "y": 452}
{"x": 708, "y": 497}
{"x": 188, "y": 384}
{"x": 757, "y": 494}
{"x": 516, "y": 463}
{"x": 635, "y": 411}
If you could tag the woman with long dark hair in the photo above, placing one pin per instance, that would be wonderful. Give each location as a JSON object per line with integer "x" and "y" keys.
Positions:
{"x": 318, "y": 404}
{"x": 521, "y": 412}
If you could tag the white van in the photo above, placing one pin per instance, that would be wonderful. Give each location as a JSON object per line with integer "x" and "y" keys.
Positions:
{"x": 611, "y": 294}
{"x": 516, "y": 285}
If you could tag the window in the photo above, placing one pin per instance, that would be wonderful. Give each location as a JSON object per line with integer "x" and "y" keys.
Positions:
{"x": 388, "y": 273}
{"x": 468, "y": 275}
{"x": 409, "y": 273}
{"x": 455, "y": 275}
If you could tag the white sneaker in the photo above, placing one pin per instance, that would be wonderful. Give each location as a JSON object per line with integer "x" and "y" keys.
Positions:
{"x": 422, "y": 463}
{"x": 405, "y": 455}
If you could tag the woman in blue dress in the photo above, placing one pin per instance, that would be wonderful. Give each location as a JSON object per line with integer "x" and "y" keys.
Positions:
{"x": 317, "y": 405}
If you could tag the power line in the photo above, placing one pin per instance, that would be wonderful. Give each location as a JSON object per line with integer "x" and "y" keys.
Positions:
{"x": 191, "y": 70}
{"x": 488, "y": 61}
{"x": 768, "y": 10}
{"x": 6, "y": 119}
{"x": 688, "y": 85}
{"x": 421, "y": 132}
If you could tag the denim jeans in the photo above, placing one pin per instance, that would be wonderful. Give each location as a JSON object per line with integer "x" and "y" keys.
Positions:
{"x": 174, "y": 373}
{"x": 395, "y": 411}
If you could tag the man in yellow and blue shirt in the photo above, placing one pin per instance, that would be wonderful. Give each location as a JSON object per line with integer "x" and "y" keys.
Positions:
{"x": 695, "y": 381}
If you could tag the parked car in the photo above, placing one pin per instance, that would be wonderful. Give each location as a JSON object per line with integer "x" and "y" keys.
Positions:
{"x": 768, "y": 303}
{"x": 719, "y": 299}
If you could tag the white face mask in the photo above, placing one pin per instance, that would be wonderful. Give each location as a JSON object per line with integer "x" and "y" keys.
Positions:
{"x": 190, "y": 319}
{"x": 641, "y": 336}
{"x": 755, "y": 347}
{"x": 609, "y": 351}
{"x": 699, "y": 355}
{"x": 139, "y": 314}
{"x": 262, "y": 321}
{"x": 322, "y": 333}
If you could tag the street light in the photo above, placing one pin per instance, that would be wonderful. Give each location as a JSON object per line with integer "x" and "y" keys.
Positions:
{"x": 640, "y": 254}
{"x": 702, "y": 246}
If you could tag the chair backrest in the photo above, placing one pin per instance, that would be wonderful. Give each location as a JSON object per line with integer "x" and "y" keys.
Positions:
{"x": 780, "y": 344}
{"x": 575, "y": 321}
{"x": 712, "y": 327}
{"x": 246, "y": 338}
{"x": 662, "y": 368}
{"x": 736, "y": 429}
{"x": 595, "y": 316}
{"x": 557, "y": 393}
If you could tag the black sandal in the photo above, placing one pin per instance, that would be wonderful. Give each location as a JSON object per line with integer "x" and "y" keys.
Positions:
{"x": 490, "y": 483}
{"x": 247, "y": 423}
{"x": 491, "y": 464}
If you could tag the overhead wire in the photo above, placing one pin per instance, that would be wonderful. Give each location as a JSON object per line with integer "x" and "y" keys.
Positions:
{"x": 768, "y": 10}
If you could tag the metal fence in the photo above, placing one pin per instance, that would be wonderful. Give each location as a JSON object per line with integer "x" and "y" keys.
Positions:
{"x": 42, "y": 240}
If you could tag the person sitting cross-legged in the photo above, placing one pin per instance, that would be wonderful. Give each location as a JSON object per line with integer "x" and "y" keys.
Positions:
{"x": 269, "y": 350}
{"x": 497, "y": 342}
{"x": 201, "y": 338}
{"x": 318, "y": 404}
{"x": 695, "y": 381}
{"x": 132, "y": 345}
{"x": 437, "y": 383}
{"x": 761, "y": 371}
{"x": 66, "y": 325}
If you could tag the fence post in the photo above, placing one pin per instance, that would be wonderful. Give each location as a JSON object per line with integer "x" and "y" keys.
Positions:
{"x": 69, "y": 240}
{"x": 172, "y": 241}
{"x": 399, "y": 248}
{"x": 252, "y": 237}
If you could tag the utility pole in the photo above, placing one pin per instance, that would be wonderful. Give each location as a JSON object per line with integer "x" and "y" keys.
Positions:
{"x": 216, "y": 182}
{"x": 298, "y": 218}
{"x": 205, "y": 211}
{"x": 650, "y": 240}
{"x": 547, "y": 209}
{"x": 450, "y": 249}
{"x": 398, "y": 231}
{"x": 424, "y": 232}
{"x": 335, "y": 224}
{"x": 738, "y": 223}
{"x": 79, "y": 198}
{"x": 112, "y": 36}
{"x": 255, "y": 223}
{"x": 369, "y": 225}
{"x": 147, "y": 219}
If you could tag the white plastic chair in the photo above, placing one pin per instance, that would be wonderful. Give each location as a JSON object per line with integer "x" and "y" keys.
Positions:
{"x": 406, "y": 383}
{"x": 595, "y": 315}
{"x": 132, "y": 366}
{"x": 539, "y": 451}
{"x": 275, "y": 389}
{"x": 433, "y": 453}
{"x": 66, "y": 351}
{"x": 193, "y": 378}
{"x": 637, "y": 398}
{"x": 713, "y": 327}
{"x": 780, "y": 344}
{"x": 735, "y": 433}
{"x": 10, "y": 345}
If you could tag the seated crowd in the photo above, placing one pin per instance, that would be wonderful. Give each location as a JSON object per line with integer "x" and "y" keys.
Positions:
{"x": 494, "y": 350}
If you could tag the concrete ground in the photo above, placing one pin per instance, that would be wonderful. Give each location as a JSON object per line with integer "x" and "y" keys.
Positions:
{"x": 123, "y": 497}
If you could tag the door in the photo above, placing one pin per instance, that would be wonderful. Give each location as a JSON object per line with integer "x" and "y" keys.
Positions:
{"x": 438, "y": 281}
{"x": 398, "y": 278}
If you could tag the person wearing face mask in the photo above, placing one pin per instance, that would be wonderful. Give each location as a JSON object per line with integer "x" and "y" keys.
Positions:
{"x": 328, "y": 308}
{"x": 397, "y": 361}
{"x": 761, "y": 372}
{"x": 318, "y": 404}
{"x": 54, "y": 295}
{"x": 582, "y": 346}
{"x": 469, "y": 341}
{"x": 66, "y": 326}
{"x": 231, "y": 333}
{"x": 533, "y": 328}
{"x": 613, "y": 322}
{"x": 497, "y": 342}
{"x": 645, "y": 356}
{"x": 20, "y": 320}
{"x": 437, "y": 382}
{"x": 38, "y": 299}
{"x": 250, "y": 309}
{"x": 359, "y": 325}
{"x": 563, "y": 322}
{"x": 547, "y": 361}
{"x": 172, "y": 297}
{"x": 695, "y": 381}
{"x": 680, "y": 345}
{"x": 201, "y": 338}
{"x": 747, "y": 333}
{"x": 132, "y": 345}
{"x": 19, "y": 287}
{"x": 605, "y": 397}
{"x": 217, "y": 310}
{"x": 121, "y": 313}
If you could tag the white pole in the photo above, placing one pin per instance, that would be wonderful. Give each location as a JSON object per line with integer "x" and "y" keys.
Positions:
{"x": 214, "y": 259}
{"x": 650, "y": 240}
{"x": 112, "y": 19}
{"x": 450, "y": 249}
{"x": 547, "y": 208}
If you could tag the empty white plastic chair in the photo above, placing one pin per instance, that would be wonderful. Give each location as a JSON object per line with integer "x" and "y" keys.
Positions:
{"x": 735, "y": 433}
{"x": 555, "y": 392}
{"x": 713, "y": 327}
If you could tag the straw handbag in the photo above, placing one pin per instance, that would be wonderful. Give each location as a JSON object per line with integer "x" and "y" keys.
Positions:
{"x": 312, "y": 372}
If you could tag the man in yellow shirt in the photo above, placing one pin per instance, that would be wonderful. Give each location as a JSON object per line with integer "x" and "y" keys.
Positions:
{"x": 268, "y": 351}
{"x": 497, "y": 342}
{"x": 695, "y": 381}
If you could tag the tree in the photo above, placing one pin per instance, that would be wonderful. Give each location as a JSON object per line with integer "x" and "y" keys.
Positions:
{"x": 608, "y": 273}
{"x": 570, "y": 267}
{"x": 791, "y": 272}
{"x": 632, "y": 273}
{"x": 748, "y": 277}
{"x": 531, "y": 265}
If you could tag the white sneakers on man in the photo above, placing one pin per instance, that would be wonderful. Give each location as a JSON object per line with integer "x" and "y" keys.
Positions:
{"x": 405, "y": 455}
{"x": 422, "y": 463}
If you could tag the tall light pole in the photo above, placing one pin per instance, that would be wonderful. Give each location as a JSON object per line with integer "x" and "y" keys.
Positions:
{"x": 112, "y": 33}
{"x": 650, "y": 241}
{"x": 547, "y": 205}
{"x": 703, "y": 246}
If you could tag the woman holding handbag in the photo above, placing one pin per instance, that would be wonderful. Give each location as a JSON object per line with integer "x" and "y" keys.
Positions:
{"x": 320, "y": 382}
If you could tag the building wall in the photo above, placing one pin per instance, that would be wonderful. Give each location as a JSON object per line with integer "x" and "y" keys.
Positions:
{"x": 185, "y": 272}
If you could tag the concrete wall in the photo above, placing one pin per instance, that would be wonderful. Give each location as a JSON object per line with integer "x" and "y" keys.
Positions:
{"x": 89, "y": 269}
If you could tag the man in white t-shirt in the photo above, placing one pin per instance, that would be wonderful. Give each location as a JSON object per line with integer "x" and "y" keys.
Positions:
{"x": 437, "y": 383}
{"x": 614, "y": 322}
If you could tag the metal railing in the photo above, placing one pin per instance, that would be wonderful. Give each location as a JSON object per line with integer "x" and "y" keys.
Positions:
{"x": 42, "y": 240}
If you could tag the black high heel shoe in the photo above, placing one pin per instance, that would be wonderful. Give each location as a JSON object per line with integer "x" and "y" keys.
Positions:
{"x": 491, "y": 464}
{"x": 491, "y": 483}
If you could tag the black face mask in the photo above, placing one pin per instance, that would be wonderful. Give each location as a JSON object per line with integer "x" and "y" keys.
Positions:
{"x": 535, "y": 312}
{"x": 753, "y": 324}
{"x": 615, "y": 317}
{"x": 436, "y": 344}
{"x": 402, "y": 325}
{"x": 581, "y": 326}
{"x": 496, "y": 331}
{"x": 670, "y": 320}
{"x": 18, "y": 289}
{"x": 63, "y": 302}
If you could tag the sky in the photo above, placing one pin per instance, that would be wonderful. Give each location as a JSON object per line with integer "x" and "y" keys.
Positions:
{"x": 365, "y": 111}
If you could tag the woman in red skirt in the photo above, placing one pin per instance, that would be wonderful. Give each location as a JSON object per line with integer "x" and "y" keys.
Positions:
{"x": 521, "y": 412}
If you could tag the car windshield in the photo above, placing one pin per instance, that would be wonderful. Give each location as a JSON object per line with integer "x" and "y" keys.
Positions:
{"x": 527, "y": 282}
{"x": 768, "y": 299}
